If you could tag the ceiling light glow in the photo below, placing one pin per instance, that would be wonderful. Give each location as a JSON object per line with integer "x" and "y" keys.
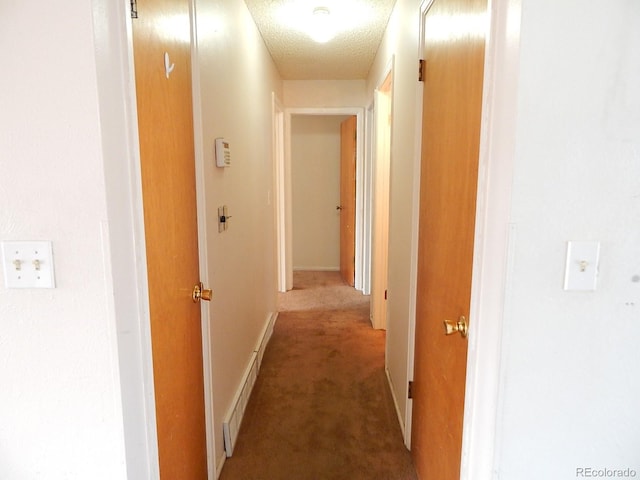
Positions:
{"x": 321, "y": 27}
{"x": 338, "y": 16}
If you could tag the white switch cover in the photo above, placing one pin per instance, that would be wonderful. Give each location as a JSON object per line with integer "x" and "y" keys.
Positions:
{"x": 581, "y": 271}
{"x": 28, "y": 264}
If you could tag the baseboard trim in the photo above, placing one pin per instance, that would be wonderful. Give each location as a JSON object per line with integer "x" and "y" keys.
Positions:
{"x": 316, "y": 269}
{"x": 265, "y": 336}
{"x": 395, "y": 402}
{"x": 220, "y": 464}
{"x": 233, "y": 419}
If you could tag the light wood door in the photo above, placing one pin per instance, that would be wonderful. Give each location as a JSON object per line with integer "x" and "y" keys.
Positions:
{"x": 454, "y": 54}
{"x": 165, "y": 124}
{"x": 348, "y": 199}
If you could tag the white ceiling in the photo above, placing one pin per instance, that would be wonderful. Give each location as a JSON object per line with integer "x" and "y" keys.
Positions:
{"x": 347, "y": 56}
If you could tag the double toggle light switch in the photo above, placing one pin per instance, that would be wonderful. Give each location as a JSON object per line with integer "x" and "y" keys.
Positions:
{"x": 28, "y": 264}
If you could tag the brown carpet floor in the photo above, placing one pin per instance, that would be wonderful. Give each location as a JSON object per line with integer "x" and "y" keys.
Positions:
{"x": 321, "y": 406}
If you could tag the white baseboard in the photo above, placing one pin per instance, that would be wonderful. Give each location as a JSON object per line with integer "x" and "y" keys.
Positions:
{"x": 220, "y": 464}
{"x": 316, "y": 269}
{"x": 265, "y": 336}
{"x": 395, "y": 402}
{"x": 233, "y": 419}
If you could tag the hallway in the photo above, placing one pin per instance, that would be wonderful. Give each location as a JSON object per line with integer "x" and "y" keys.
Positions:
{"x": 321, "y": 407}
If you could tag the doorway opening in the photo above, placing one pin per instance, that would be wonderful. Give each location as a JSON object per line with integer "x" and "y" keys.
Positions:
{"x": 380, "y": 201}
{"x": 285, "y": 195}
{"x": 316, "y": 192}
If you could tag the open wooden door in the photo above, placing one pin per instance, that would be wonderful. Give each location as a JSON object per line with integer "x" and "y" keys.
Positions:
{"x": 348, "y": 199}
{"x": 453, "y": 76}
{"x": 165, "y": 123}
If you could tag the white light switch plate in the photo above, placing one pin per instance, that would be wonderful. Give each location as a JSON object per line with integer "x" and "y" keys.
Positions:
{"x": 28, "y": 264}
{"x": 581, "y": 271}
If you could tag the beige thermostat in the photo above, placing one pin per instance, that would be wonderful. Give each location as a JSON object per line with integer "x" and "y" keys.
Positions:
{"x": 223, "y": 154}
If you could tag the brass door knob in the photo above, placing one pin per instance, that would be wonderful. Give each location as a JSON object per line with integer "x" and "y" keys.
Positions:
{"x": 201, "y": 293}
{"x": 451, "y": 327}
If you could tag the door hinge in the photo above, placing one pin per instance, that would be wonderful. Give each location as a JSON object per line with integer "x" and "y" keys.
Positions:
{"x": 421, "y": 65}
{"x": 410, "y": 390}
{"x": 134, "y": 8}
{"x": 385, "y": 294}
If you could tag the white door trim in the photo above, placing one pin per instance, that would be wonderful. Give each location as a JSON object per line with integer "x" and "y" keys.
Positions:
{"x": 415, "y": 221}
{"x": 126, "y": 237}
{"x": 493, "y": 240}
{"x": 279, "y": 189}
{"x": 381, "y": 194}
{"x": 367, "y": 198}
{"x": 213, "y": 463}
{"x": 125, "y": 234}
{"x": 284, "y": 191}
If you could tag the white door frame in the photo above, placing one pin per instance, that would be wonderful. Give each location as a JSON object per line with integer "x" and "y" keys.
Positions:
{"x": 126, "y": 240}
{"x": 113, "y": 47}
{"x": 280, "y": 187}
{"x": 494, "y": 238}
{"x": 284, "y": 195}
{"x": 381, "y": 193}
{"x": 367, "y": 186}
{"x": 213, "y": 463}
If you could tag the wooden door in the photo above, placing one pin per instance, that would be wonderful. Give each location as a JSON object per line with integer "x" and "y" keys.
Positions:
{"x": 454, "y": 55}
{"x": 165, "y": 124}
{"x": 348, "y": 199}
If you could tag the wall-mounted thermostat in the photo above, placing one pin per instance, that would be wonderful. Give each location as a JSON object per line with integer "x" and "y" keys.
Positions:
{"x": 223, "y": 154}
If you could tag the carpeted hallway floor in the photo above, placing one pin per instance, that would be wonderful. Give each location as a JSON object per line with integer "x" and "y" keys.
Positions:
{"x": 321, "y": 407}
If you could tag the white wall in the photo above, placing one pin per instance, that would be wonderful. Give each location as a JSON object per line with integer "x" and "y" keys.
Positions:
{"x": 570, "y": 382}
{"x": 237, "y": 78}
{"x": 400, "y": 45}
{"x": 324, "y": 93}
{"x": 60, "y": 407}
{"x": 315, "y": 180}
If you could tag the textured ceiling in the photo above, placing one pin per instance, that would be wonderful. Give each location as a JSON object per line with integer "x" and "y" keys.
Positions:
{"x": 360, "y": 25}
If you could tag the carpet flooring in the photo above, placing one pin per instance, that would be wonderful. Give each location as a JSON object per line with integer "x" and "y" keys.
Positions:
{"x": 321, "y": 406}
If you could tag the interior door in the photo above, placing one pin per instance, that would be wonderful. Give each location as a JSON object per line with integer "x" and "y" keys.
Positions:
{"x": 348, "y": 199}
{"x": 453, "y": 75}
{"x": 161, "y": 38}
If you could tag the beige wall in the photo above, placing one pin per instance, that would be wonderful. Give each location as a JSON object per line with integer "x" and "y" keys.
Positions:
{"x": 324, "y": 93}
{"x": 315, "y": 165}
{"x": 236, "y": 103}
